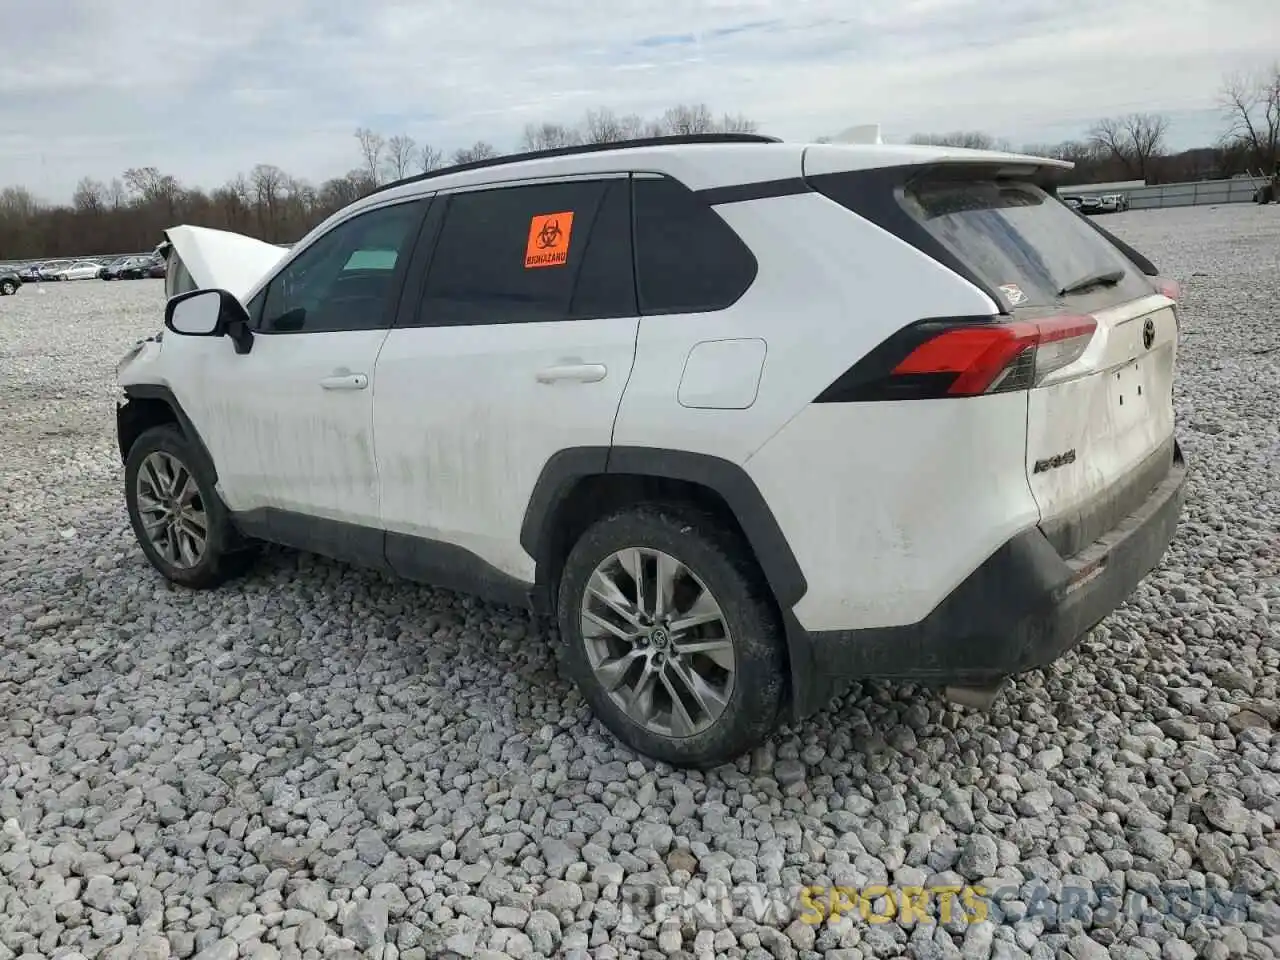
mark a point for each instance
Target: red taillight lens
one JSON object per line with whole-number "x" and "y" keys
{"x": 1169, "y": 288}
{"x": 999, "y": 357}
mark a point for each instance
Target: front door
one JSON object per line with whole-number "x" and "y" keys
{"x": 290, "y": 423}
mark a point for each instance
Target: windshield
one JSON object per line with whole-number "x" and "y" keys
{"x": 1022, "y": 241}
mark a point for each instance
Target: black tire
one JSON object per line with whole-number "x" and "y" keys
{"x": 8, "y": 288}
{"x": 225, "y": 555}
{"x": 724, "y": 563}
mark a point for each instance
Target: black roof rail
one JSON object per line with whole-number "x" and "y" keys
{"x": 662, "y": 141}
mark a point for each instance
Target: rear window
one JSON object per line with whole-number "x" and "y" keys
{"x": 1019, "y": 239}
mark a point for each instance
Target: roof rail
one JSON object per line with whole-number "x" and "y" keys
{"x": 582, "y": 148}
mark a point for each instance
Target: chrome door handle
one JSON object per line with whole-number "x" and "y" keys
{"x": 346, "y": 381}
{"x": 574, "y": 372}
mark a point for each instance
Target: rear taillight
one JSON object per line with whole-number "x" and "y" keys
{"x": 966, "y": 357}
{"x": 1168, "y": 288}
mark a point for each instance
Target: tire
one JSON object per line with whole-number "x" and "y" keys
{"x": 224, "y": 555}
{"x": 720, "y": 563}
{"x": 8, "y": 288}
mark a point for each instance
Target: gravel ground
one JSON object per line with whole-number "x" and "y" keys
{"x": 320, "y": 762}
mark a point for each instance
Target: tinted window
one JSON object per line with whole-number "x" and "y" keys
{"x": 1019, "y": 239}
{"x": 554, "y": 251}
{"x": 688, "y": 260}
{"x": 345, "y": 280}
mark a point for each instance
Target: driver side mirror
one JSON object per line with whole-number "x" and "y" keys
{"x": 210, "y": 313}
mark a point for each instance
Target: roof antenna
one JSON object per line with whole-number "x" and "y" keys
{"x": 865, "y": 133}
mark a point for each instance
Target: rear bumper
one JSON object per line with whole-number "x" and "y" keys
{"x": 1021, "y": 609}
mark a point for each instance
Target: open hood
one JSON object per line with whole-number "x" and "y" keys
{"x": 219, "y": 259}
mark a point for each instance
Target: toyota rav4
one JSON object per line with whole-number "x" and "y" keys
{"x": 743, "y": 420}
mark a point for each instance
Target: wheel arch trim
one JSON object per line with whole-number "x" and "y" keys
{"x": 156, "y": 391}
{"x": 563, "y": 471}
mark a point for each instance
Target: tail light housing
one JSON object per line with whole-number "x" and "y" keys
{"x": 1168, "y": 288}
{"x": 964, "y": 357}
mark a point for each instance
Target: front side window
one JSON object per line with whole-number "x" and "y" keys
{"x": 345, "y": 280}
{"x": 536, "y": 253}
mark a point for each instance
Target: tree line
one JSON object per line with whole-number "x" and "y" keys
{"x": 129, "y": 212}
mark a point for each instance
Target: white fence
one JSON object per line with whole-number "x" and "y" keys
{"x": 1192, "y": 194}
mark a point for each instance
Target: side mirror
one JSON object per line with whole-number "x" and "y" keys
{"x": 209, "y": 313}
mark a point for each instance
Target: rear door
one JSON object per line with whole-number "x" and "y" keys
{"x": 517, "y": 342}
{"x": 1100, "y": 429}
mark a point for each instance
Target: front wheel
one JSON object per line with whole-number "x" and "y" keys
{"x": 668, "y": 630}
{"x": 8, "y": 288}
{"x": 179, "y": 521}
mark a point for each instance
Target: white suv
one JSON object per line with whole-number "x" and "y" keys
{"x": 744, "y": 419}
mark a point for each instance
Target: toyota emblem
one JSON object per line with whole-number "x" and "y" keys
{"x": 1148, "y": 333}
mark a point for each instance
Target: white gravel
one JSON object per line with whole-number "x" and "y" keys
{"x": 321, "y": 762}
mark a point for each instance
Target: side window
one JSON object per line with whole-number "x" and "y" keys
{"x": 544, "y": 252}
{"x": 343, "y": 281}
{"x": 688, "y": 260}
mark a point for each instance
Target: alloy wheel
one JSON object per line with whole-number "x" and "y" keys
{"x": 172, "y": 510}
{"x": 658, "y": 642}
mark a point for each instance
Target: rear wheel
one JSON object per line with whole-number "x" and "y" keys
{"x": 8, "y": 288}
{"x": 180, "y": 523}
{"x": 670, "y": 634}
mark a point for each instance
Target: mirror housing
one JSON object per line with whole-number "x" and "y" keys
{"x": 209, "y": 313}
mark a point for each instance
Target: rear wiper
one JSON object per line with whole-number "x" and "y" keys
{"x": 1108, "y": 279}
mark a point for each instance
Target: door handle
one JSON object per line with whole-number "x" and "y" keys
{"x": 574, "y": 372}
{"x": 346, "y": 381}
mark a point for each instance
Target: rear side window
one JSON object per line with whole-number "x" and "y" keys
{"x": 1020, "y": 240}
{"x": 688, "y": 260}
{"x": 529, "y": 254}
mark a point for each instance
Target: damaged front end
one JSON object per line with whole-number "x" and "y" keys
{"x": 201, "y": 258}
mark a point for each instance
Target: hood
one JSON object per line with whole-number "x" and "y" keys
{"x": 221, "y": 259}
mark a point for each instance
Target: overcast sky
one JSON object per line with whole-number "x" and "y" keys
{"x": 204, "y": 89}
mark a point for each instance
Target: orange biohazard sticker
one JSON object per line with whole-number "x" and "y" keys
{"x": 549, "y": 240}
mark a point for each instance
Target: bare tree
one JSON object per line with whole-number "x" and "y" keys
{"x": 268, "y": 183}
{"x": 1252, "y": 107}
{"x": 18, "y": 203}
{"x": 429, "y": 158}
{"x": 371, "y": 147}
{"x": 603, "y": 126}
{"x": 738, "y": 123}
{"x": 549, "y": 136}
{"x": 117, "y": 195}
{"x": 968, "y": 139}
{"x": 90, "y": 196}
{"x": 151, "y": 185}
{"x": 1133, "y": 140}
{"x": 401, "y": 151}
{"x": 684, "y": 119}
{"x": 477, "y": 151}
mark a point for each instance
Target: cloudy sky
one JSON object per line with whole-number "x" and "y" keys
{"x": 205, "y": 88}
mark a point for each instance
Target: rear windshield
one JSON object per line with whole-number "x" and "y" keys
{"x": 1022, "y": 241}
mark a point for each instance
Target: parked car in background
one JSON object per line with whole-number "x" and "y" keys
{"x": 30, "y": 273}
{"x": 1073, "y": 202}
{"x": 1113, "y": 203}
{"x": 129, "y": 268}
{"x": 1090, "y": 204}
{"x": 80, "y": 270}
{"x": 156, "y": 271}
{"x": 10, "y": 281}
{"x": 50, "y": 269}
